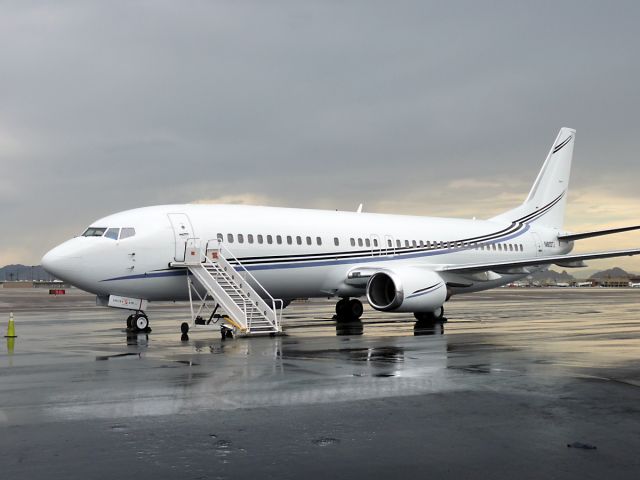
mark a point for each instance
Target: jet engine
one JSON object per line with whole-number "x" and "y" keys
{"x": 406, "y": 289}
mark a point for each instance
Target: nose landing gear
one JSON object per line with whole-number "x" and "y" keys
{"x": 138, "y": 322}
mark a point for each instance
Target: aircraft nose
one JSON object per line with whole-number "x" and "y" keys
{"x": 60, "y": 262}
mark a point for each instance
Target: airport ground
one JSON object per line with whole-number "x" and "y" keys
{"x": 499, "y": 391}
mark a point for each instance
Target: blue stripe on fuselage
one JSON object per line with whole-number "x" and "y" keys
{"x": 322, "y": 263}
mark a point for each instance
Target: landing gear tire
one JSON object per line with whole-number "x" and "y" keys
{"x": 140, "y": 322}
{"x": 355, "y": 309}
{"x": 130, "y": 321}
{"x": 341, "y": 307}
{"x": 436, "y": 316}
{"x": 347, "y": 310}
{"x": 184, "y": 328}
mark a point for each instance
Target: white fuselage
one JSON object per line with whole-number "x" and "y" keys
{"x": 292, "y": 252}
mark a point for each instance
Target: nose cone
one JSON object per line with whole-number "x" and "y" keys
{"x": 61, "y": 262}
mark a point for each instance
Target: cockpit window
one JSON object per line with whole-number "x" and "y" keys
{"x": 127, "y": 232}
{"x": 112, "y": 233}
{"x": 94, "y": 232}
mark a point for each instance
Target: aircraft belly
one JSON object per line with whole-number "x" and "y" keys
{"x": 295, "y": 282}
{"x": 152, "y": 288}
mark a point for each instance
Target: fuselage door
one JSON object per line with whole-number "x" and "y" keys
{"x": 538, "y": 243}
{"x": 183, "y": 231}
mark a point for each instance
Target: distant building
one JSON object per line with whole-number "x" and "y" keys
{"x": 612, "y": 282}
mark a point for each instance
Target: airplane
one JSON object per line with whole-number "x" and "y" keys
{"x": 399, "y": 263}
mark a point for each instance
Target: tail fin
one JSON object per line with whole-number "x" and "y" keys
{"x": 548, "y": 196}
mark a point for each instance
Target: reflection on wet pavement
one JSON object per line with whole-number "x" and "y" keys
{"x": 544, "y": 335}
{"x": 513, "y": 377}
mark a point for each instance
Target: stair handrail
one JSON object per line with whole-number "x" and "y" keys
{"x": 221, "y": 247}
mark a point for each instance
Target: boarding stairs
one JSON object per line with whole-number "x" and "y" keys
{"x": 223, "y": 283}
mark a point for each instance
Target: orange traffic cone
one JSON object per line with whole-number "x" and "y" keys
{"x": 11, "y": 329}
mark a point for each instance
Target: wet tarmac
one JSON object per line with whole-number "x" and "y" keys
{"x": 518, "y": 383}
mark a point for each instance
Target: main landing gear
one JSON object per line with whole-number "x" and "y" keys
{"x": 349, "y": 309}
{"x": 138, "y": 322}
{"x": 437, "y": 316}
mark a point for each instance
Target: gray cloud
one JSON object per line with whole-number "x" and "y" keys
{"x": 112, "y": 105}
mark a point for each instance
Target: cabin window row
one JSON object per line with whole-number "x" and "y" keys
{"x": 506, "y": 247}
{"x": 270, "y": 239}
{"x": 502, "y": 247}
{"x": 366, "y": 242}
{"x": 363, "y": 242}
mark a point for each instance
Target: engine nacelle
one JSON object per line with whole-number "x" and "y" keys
{"x": 406, "y": 289}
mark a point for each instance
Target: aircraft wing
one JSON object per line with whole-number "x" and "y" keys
{"x": 512, "y": 266}
{"x": 596, "y": 233}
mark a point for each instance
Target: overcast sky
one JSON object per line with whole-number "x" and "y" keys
{"x": 416, "y": 107}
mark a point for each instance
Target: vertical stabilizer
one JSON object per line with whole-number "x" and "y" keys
{"x": 546, "y": 201}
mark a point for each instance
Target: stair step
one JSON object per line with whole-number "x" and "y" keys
{"x": 259, "y": 318}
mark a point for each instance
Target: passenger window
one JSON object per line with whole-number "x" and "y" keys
{"x": 269, "y": 239}
{"x": 359, "y": 242}
{"x": 521, "y": 248}
{"x": 511, "y": 247}
{"x": 240, "y": 238}
{"x": 289, "y": 240}
{"x": 279, "y": 239}
{"x": 421, "y": 243}
{"x": 398, "y": 243}
{"x": 353, "y": 241}
{"x": 260, "y": 239}
{"x": 309, "y": 242}
{"x": 130, "y": 232}
{"x": 389, "y": 243}
{"x": 230, "y": 237}
{"x": 336, "y": 241}
{"x": 298, "y": 239}
{"x": 250, "y": 238}
{"x": 112, "y": 233}
{"x": 500, "y": 247}
{"x": 375, "y": 242}
{"x": 406, "y": 243}
{"x": 367, "y": 242}
{"x": 319, "y": 240}
{"x": 414, "y": 243}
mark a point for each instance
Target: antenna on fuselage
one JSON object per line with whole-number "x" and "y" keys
{"x": 359, "y": 210}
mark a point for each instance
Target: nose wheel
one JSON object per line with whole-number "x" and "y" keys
{"x": 138, "y": 322}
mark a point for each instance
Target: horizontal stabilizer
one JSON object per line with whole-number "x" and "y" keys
{"x": 529, "y": 262}
{"x": 595, "y": 233}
